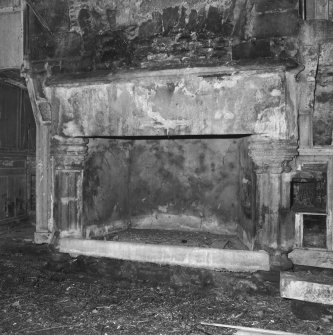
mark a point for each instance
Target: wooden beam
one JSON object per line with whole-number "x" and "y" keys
{"x": 249, "y": 331}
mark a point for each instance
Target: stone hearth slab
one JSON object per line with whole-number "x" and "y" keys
{"x": 306, "y": 287}
{"x": 207, "y": 258}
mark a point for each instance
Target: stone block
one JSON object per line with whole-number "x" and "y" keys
{"x": 206, "y": 258}
{"x": 42, "y": 237}
{"x": 326, "y": 54}
{"x": 306, "y": 288}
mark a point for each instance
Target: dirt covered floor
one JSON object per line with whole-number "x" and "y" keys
{"x": 43, "y": 292}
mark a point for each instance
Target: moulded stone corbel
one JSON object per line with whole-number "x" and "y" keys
{"x": 272, "y": 155}
{"x": 40, "y": 105}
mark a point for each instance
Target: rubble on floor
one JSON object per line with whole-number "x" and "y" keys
{"x": 43, "y": 292}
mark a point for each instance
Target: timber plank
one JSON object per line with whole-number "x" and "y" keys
{"x": 249, "y": 331}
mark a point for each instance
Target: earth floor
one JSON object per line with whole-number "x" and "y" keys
{"x": 43, "y": 292}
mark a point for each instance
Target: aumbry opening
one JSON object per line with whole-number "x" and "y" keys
{"x": 314, "y": 231}
{"x": 309, "y": 189}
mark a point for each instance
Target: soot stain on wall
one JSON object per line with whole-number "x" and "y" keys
{"x": 105, "y": 187}
{"x": 178, "y": 178}
{"x": 197, "y": 177}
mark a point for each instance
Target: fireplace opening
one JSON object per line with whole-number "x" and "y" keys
{"x": 198, "y": 189}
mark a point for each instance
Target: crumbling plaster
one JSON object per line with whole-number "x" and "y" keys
{"x": 236, "y": 102}
{"x": 90, "y": 35}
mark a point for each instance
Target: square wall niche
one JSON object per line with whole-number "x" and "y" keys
{"x": 311, "y": 194}
{"x": 311, "y": 230}
{"x": 314, "y": 231}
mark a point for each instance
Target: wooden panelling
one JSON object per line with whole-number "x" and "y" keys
{"x": 13, "y": 197}
{"x": 17, "y": 124}
{"x": 9, "y": 107}
{"x": 3, "y": 197}
{"x": 17, "y": 142}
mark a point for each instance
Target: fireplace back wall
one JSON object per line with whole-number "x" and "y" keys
{"x": 185, "y": 184}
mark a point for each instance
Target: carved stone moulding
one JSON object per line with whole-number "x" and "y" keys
{"x": 68, "y": 152}
{"x": 270, "y": 155}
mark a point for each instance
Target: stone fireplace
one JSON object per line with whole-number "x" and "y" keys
{"x": 195, "y": 149}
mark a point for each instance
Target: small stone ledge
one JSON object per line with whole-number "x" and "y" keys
{"x": 206, "y": 258}
{"x": 316, "y": 258}
{"x": 100, "y": 77}
{"x": 316, "y": 151}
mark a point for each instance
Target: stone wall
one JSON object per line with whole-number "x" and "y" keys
{"x": 84, "y": 35}
{"x": 323, "y": 117}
